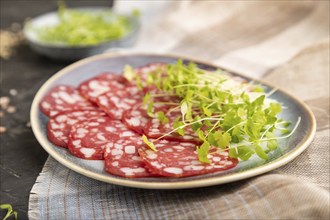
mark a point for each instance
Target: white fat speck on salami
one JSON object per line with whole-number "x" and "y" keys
{"x": 121, "y": 158}
{"x": 64, "y": 98}
{"x": 95, "y": 134}
{"x": 96, "y": 86}
{"x": 136, "y": 119}
{"x": 173, "y": 159}
{"x": 59, "y": 126}
{"x": 115, "y": 102}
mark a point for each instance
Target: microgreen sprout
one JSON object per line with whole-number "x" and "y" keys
{"x": 225, "y": 112}
{"x": 10, "y": 211}
{"x": 85, "y": 27}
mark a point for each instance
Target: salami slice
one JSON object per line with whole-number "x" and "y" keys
{"x": 114, "y": 103}
{"x": 122, "y": 158}
{"x": 64, "y": 98}
{"x": 177, "y": 159}
{"x": 143, "y": 72}
{"x": 88, "y": 139}
{"x": 100, "y": 84}
{"x": 136, "y": 119}
{"x": 59, "y": 126}
{"x": 156, "y": 129}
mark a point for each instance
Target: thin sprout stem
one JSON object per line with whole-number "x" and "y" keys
{"x": 161, "y": 95}
{"x": 212, "y": 128}
{"x": 269, "y": 139}
{"x": 263, "y": 134}
{"x": 183, "y": 126}
{"x": 186, "y": 85}
{"x": 172, "y": 109}
{"x": 210, "y": 78}
{"x": 242, "y": 122}
{"x": 286, "y": 136}
{"x": 279, "y": 123}
{"x": 166, "y": 103}
{"x": 200, "y": 86}
{"x": 204, "y": 97}
{"x": 212, "y": 103}
{"x": 271, "y": 92}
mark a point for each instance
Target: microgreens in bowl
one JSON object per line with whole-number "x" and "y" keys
{"x": 79, "y": 27}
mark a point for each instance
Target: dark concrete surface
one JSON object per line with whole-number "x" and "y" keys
{"x": 21, "y": 156}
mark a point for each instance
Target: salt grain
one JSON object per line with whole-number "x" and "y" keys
{"x": 11, "y": 109}
{"x": 13, "y": 92}
{"x": 2, "y": 129}
{"x": 4, "y": 101}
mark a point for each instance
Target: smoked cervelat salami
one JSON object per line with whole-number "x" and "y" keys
{"x": 122, "y": 158}
{"x": 143, "y": 71}
{"x": 105, "y": 118}
{"x": 136, "y": 119}
{"x": 59, "y": 126}
{"x": 94, "y": 87}
{"x": 64, "y": 98}
{"x": 156, "y": 129}
{"x": 178, "y": 159}
{"x": 88, "y": 139}
{"x": 114, "y": 103}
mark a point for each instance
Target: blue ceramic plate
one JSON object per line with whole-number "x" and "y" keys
{"x": 76, "y": 73}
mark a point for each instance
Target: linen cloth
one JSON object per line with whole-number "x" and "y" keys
{"x": 252, "y": 38}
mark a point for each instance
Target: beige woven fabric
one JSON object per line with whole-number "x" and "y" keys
{"x": 307, "y": 77}
{"x": 248, "y": 37}
{"x": 281, "y": 42}
{"x": 63, "y": 194}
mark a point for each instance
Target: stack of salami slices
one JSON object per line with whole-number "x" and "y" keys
{"x": 103, "y": 119}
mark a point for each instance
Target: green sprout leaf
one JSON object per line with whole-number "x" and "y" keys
{"x": 162, "y": 118}
{"x": 261, "y": 153}
{"x": 211, "y": 139}
{"x": 178, "y": 125}
{"x": 207, "y": 111}
{"x": 129, "y": 73}
{"x": 258, "y": 89}
{"x": 138, "y": 82}
{"x": 202, "y": 152}
{"x": 222, "y": 139}
{"x": 136, "y": 12}
{"x": 10, "y": 211}
{"x": 146, "y": 99}
{"x": 272, "y": 143}
{"x": 184, "y": 109}
{"x": 233, "y": 153}
{"x": 201, "y": 135}
{"x": 149, "y": 143}
{"x": 245, "y": 152}
{"x": 150, "y": 109}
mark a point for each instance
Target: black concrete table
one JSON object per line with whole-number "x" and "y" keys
{"x": 21, "y": 156}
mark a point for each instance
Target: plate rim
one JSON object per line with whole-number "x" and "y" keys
{"x": 129, "y": 182}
